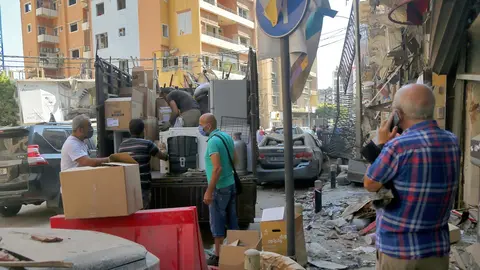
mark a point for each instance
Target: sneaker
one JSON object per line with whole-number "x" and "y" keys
{"x": 212, "y": 261}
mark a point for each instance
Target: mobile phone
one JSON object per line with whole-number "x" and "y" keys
{"x": 396, "y": 122}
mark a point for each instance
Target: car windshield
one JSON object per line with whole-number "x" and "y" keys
{"x": 280, "y": 131}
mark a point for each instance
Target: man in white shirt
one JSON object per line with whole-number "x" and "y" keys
{"x": 75, "y": 150}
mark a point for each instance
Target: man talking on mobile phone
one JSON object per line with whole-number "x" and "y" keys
{"x": 422, "y": 167}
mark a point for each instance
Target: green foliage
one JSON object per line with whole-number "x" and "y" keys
{"x": 328, "y": 110}
{"x": 8, "y": 104}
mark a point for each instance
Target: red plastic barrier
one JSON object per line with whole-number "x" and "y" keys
{"x": 170, "y": 234}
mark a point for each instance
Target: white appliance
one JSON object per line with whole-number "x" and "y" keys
{"x": 184, "y": 131}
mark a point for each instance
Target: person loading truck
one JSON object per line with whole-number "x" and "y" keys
{"x": 183, "y": 105}
{"x": 141, "y": 150}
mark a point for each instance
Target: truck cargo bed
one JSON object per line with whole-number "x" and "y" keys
{"x": 188, "y": 190}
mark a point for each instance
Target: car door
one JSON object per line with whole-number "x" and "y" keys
{"x": 51, "y": 141}
{"x": 317, "y": 151}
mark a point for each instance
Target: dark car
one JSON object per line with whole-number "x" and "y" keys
{"x": 30, "y": 165}
{"x": 307, "y": 162}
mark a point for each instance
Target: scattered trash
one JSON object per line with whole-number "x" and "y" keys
{"x": 46, "y": 239}
{"x": 366, "y": 249}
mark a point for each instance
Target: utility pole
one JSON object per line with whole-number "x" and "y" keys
{"x": 358, "y": 82}
{"x": 2, "y": 53}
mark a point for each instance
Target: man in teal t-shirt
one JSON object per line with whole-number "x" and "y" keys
{"x": 221, "y": 194}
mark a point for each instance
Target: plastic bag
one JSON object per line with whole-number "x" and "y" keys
{"x": 178, "y": 122}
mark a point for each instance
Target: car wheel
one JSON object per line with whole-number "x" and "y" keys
{"x": 10, "y": 210}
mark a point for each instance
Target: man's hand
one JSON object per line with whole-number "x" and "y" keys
{"x": 208, "y": 197}
{"x": 384, "y": 133}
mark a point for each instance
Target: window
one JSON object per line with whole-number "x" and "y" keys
{"x": 211, "y": 30}
{"x": 55, "y": 137}
{"x": 243, "y": 12}
{"x": 123, "y": 65}
{"x": 175, "y": 62}
{"x": 76, "y": 53}
{"x": 244, "y": 41}
{"x": 100, "y": 9}
{"x": 42, "y": 30}
{"x": 165, "y": 30}
{"x": 206, "y": 60}
{"x": 185, "y": 61}
{"x": 121, "y": 4}
{"x": 28, "y": 7}
{"x": 121, "y": 32}
{"x": 55, "y": 31}
{"x": 72, "y": 2}
{"x": 102, "y": 40}
{"x": 165, "y": 62}
{"x": 29, "y": 28}
{"x": 184, "y": 20}
{"x": 73, "y": 27}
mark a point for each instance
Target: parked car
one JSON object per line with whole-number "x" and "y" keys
{"x": 30, "y": 165}
{"x": 295, "y": 130}
{"x": 308, "y": 158}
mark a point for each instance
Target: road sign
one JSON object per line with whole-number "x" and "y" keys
{"x": 272, "y": 19}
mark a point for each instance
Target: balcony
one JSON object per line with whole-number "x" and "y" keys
{"x": 43, "y": 38}
{"x": 85, "y": 26}
{"x": 232, "y": 15}
{"x": 87, "y": 52}
{"x": 223, "y": 42}
{"x": 46, "y": 12}
{"x": 50, "y": 61}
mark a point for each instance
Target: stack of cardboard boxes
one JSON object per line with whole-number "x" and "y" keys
{"x": 110, "y": 190}
{"x": 138, "y": 101}
{"x": 272, "y": 238}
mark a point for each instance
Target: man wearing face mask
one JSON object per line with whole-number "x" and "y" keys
{"x": 75, "y": 150}
{"x": 421, "y": 166}
{"x": 221, "y": 194}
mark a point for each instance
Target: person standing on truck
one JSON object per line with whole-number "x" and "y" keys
{"x": 142, "y": 150}
{"x": 221, "y": 194}
{"x": 75, "y": 150}
{"x": 183, "y": 105}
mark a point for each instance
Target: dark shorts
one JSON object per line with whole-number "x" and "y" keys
{"x": 147, "y": 198}
{"x": 223, "y": 211}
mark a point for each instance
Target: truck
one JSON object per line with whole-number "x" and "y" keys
{"x": 179, "y": 190}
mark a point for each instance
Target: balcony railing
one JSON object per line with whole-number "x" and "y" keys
{"x": 215, "y": 35}
{"x": 212, "y": 2}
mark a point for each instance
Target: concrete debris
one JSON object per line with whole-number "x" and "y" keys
{"x": 327, "y": 265}
{"x": 370, "y": 239}
{"x": 315, "y": 250}
{"x": 360, "y": 223}
{"x": 342, "y": 179}
{"x": 366, "y": 249}
{"x": 339, "y": 222}
{"x": 350, "y": 236}
{"x": 331, "y": 235}
{"x": 381, "y": 198}
{"x": 352, "y": 209}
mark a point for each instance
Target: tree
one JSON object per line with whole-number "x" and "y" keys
{"x": 328, "y": 110}
{"x": 9, "y": 106}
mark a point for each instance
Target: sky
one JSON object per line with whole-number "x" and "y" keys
{"x": 330, "y": 51}
{"x": 328, "y": 55}
{"x": 11, "y": 24}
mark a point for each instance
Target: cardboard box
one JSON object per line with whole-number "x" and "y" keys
{"x": 232, "y": 254}
{"x": 119, "y": 112}
{"x": 108, "y": 191}
{"x": 150, "y": 78}
{"x": 148, "y": 101}
{"x": 163, "y": 110}
{"x": 151, "y": 128}
{"x": 274, "y": 233}
{"x": 139, "y": 77}
{"x": 455, "y": 234}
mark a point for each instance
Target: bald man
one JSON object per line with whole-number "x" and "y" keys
{"x": 421, "y": 167}
{"x": 221, "y": 194}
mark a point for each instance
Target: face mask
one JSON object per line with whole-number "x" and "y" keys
{"x": 90, "y": 133}
{"x": 202, "y": 131}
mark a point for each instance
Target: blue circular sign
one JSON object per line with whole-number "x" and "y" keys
{"x": 296, "y": 10}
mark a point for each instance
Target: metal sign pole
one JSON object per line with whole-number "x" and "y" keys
{"x": 288, "y": 145}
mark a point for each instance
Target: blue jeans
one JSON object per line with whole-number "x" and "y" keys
{"x": 223, "y": 211}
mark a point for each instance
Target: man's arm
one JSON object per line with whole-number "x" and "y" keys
{"x": 383, "y": 170}
{"x": 175, "y": 112}
{"x": 86, "y": 161}
{"x": 217, "y": 170}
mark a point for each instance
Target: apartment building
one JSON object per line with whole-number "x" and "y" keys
{"x": 185, "y": 36}
{"x": 56, "y": 31}
{"x": 270, "y": 95}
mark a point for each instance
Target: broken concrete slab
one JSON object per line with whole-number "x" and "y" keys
{"x": 339, "y": 222}
{"x": 354, "y": 208}
{"x": 327, "y": 265}
{"x": 366, "y": 249}
{"x": 356, "y": 170}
